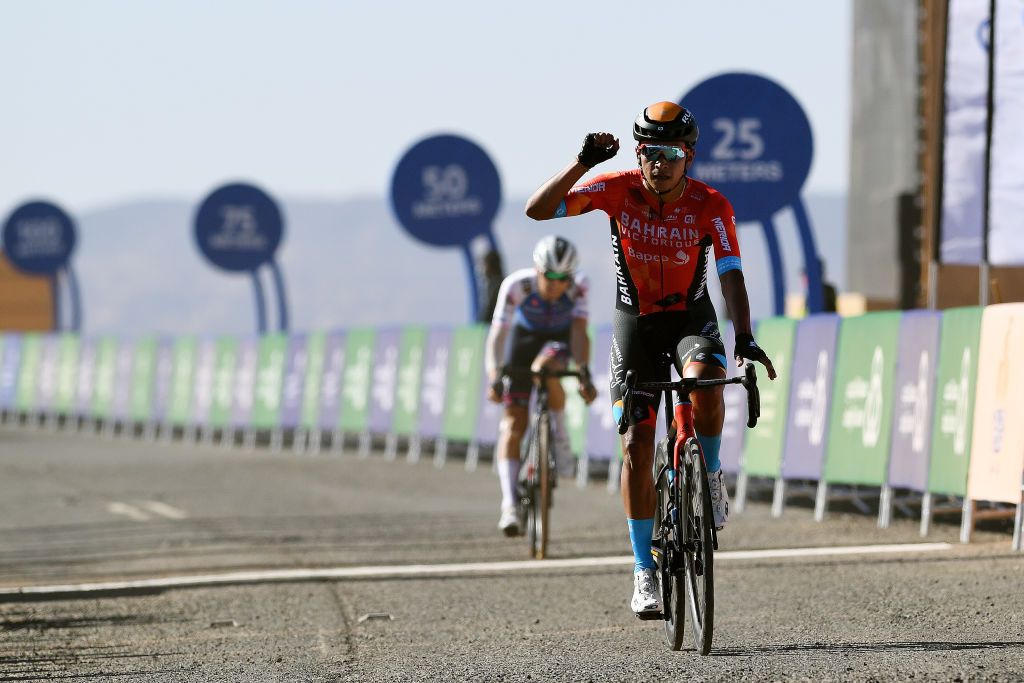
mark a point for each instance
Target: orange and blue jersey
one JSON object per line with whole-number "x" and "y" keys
{"x": 661, "y": 251}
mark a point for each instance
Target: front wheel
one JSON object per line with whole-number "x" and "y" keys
{"x": 699, "y": 546}
{"x": 538, "y": 485}
{"x": 668, "y": 553}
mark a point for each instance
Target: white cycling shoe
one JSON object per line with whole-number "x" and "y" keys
{"x": 509, "y": 521}
{"x": 719, "y": 499}
{"x": 646, "y": 596}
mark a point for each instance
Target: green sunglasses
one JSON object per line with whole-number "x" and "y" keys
{"x": 670, "y": 152}
{"x": 552, "y": 275}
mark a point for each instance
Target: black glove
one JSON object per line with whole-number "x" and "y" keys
{"x": 592, "y": 154}
{"x": 747, "y": 348}
{"x": 585, "y": 376}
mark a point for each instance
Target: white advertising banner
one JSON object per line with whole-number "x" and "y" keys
{"x": 963, "y": 163}
{"x": 1006, "y": 189}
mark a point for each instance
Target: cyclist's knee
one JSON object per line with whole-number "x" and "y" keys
{"x": 513, "y": 423}
{"x": 638, "y": 445}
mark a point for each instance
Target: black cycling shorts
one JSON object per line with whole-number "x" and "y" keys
{"x": 651, "y": 344}
{"x": 524, "y": 346}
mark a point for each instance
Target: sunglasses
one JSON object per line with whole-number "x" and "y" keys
{"x": 552, "y": 275}
{"x": 670, "y": 152}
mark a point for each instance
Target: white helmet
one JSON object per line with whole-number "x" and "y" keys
{"x": 555, "y": 254}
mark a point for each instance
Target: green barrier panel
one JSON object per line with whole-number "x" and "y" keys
{"x": 954, "y": 400}
{"x": 140, "y": 407}
{"x": 315, "y": 348}
{"x": 465, "y": 372}
{"x": 860, "y": 422}
{"x": 67, "y": 373}
{"x": 181, "y": 381}
{"x": 106, "y": 371}
{"x": 355, "y": 383}
{"x": 223, "y": 382}
{"x": 28, "y": 374}
{"x": 410, "y": 375}
{"x": 762, "y": 452}
{"x": 266, "y": 408}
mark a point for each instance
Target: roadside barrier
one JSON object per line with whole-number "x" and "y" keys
{"x": 897, "y": 410}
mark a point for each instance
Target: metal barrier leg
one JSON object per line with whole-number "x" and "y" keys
{"x": 317, "y": 441}
{"x": 926, "y": 513}
{"x": 412, "y": 456}
{"x": 741, "y": 492}
{"x": 1018, "y": 521}
{"x": 364, "y": 445}
{"x": 391, "y": 446}
{"x": 614, "y": 471}
{"x": 299, "y": 439}
{"x": 276, "y": 440}
{"x": 338, "y": 441}
{"x": 885, "y": 507}
{"x": 778, "y": 497}
{"x": 582, "y": 471}
{"x": 440, "y": 452}
{"x": 472, "y": 456}
{"x": 967, "y": 521}
{"x": 821, "y": 501}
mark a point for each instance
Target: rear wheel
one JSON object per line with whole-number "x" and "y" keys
{"x": 537, "y": 499}
{"x": 698, "y": 529}
{"x": 670, "y": 572}
{"x": 543, "y": 482}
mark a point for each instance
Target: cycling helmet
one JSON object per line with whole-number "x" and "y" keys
{"x": 664, "y": 121}
{"x": 555, "y": 254}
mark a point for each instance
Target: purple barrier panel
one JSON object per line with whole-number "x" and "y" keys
{"x": 383, "y": 380}
{"x": 203, "y": 381}
{"x": 163, "y": 379}
{"x": 813, "y": 370}
{"x": 293, "y": 386}
{"x": 602, "y": 435}
{"x": 245, "y": 382}
{"x": 435, "y": 379}
{"x": 10, "y": 370}
{"x": 49, "y": 360}
{"x": 85, "y": 378}
{"x": 124, "y": 362}
{"x": 330, "y": 383}
{"x": 913, "y": 408}
{"x": 734, "y": 429}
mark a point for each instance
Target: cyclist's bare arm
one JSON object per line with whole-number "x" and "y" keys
{"x": 495, "y": 345}
{"x": 597, "y": 147}
{"x": 544, "y": 202}
{"x": 734, "y": 289}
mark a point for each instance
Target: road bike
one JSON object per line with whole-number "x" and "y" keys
{"x": 685, "y": 538}
{"x": 538, "y": 472}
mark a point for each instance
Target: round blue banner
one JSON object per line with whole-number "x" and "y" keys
{"x": 39, "y": 238}
{"x": 446, "y": 191}
{"x": 755, "y": 143}
{"x": 238, "y": 227}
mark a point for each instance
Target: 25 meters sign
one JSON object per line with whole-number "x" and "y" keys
{"x": 755, "y": 142}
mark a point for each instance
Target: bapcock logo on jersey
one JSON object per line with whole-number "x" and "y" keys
{"x": 637, "y": 230}
{"x": 680, "y": 258}
{"x": 723, "y": 237}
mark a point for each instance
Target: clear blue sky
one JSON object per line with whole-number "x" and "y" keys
{"x": 109, "y": 100}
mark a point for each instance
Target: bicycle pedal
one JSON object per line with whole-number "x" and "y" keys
{"x": 649, "y": 616}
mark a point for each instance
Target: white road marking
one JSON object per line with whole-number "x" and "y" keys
{"x": 163, "y": 509}
{"x": 119, "y": 508}
{"x": 392, "y": 571}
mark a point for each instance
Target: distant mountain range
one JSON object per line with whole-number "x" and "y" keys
{"x": 349, "y": 263}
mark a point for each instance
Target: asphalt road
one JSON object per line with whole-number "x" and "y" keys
{"x": 87, "y": 510}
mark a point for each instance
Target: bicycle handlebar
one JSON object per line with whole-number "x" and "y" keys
{"x": 687, "y": 384}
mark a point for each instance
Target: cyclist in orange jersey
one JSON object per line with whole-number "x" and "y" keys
{"x": 664, "y": 228}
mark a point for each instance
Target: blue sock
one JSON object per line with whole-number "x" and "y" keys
{"x": 640, "y": 533}
{"x": 711, "y": 445}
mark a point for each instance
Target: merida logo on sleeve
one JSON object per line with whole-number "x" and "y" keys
{"x": 723, "y": 238}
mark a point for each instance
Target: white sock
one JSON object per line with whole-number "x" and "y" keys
{"x": 508, "y": 474}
